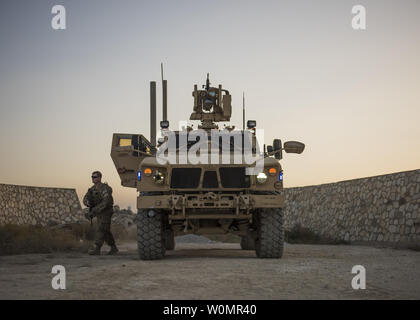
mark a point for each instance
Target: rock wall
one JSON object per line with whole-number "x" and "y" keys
{"x": 381, "y": 209}
{"x": 38, "y": 206}
{"x": 376, "y": 209}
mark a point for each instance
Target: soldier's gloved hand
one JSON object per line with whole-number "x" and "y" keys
{"x": 94, "y": 212}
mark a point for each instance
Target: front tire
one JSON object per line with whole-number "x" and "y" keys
{"x": 150, "y": 236}
{"x": 270, "y": 233}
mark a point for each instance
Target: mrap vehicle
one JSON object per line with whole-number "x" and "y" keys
{"x": 204, "y": 197}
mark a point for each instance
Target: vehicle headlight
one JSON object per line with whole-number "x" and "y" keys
{"x": 158, "y": 177}
{"x": 261, "y": 177}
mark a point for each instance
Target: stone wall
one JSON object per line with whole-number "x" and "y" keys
{"x": 376, "y": 209}
{"x": 38, "y": 206}
{"x": 380, "y": 209}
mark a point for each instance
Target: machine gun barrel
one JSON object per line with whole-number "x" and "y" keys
{"x": 207, "y": 83}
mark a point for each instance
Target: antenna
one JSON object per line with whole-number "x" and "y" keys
{"x": 243, "y": 111}
{"x": 164, "y": 95}
{"x": 153, "y": 113}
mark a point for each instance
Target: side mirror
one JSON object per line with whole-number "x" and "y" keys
{"x": 277, "y": 148}
{"x": 269, "y": 149}
{"x": 294, "y": 147}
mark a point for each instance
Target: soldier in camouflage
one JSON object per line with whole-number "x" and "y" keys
{"x": 100, "y": 202}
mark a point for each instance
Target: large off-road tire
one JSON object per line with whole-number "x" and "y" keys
{"x": 150, "y": 236}
{"x": 247, "y": 243}
{"x": 270, "y": 233}
{"x": 169, "y": 240}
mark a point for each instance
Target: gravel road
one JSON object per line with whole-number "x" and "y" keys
{"x": 216, "y": 271}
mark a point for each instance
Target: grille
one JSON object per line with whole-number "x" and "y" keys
{"x": 185, "y": 178}
{"x": 210, "y": 179}
{"x": 234, "y": 177}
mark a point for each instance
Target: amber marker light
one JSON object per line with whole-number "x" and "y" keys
{"x": 147, "y": 172}
{"x": 272, "y": 171}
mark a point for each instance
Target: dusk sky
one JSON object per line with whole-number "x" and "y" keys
{"x": 352, "y": 96}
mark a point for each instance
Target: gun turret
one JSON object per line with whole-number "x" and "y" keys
{"x": 211, "y": 105}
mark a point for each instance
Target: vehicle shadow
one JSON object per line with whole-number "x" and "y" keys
{"x": 210, "y": 253}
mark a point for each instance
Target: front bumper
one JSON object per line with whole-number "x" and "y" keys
{"x": 242, "y": 203}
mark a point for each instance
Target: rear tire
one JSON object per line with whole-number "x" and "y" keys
{"x": 270, "y": 233}
{"x": 150, "y": 236}
{"x": 247, "y": 243}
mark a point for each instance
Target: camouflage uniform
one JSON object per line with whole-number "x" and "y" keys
{"x": 102, "y": 209}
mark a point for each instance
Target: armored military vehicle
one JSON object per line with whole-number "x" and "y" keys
{"x": 210, "y": 196}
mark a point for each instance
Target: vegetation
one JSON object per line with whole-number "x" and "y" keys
{"x": 299, "y": 234}
{"x": 17, "y": 239}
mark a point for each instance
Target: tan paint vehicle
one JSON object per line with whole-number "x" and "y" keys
{"x": 213, "y": 198}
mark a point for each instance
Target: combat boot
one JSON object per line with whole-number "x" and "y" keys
{"x": 114, "y": 250}
{"x": 95, "y": 251}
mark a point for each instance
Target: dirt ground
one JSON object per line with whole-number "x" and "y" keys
{"x": 216, "y": 271}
